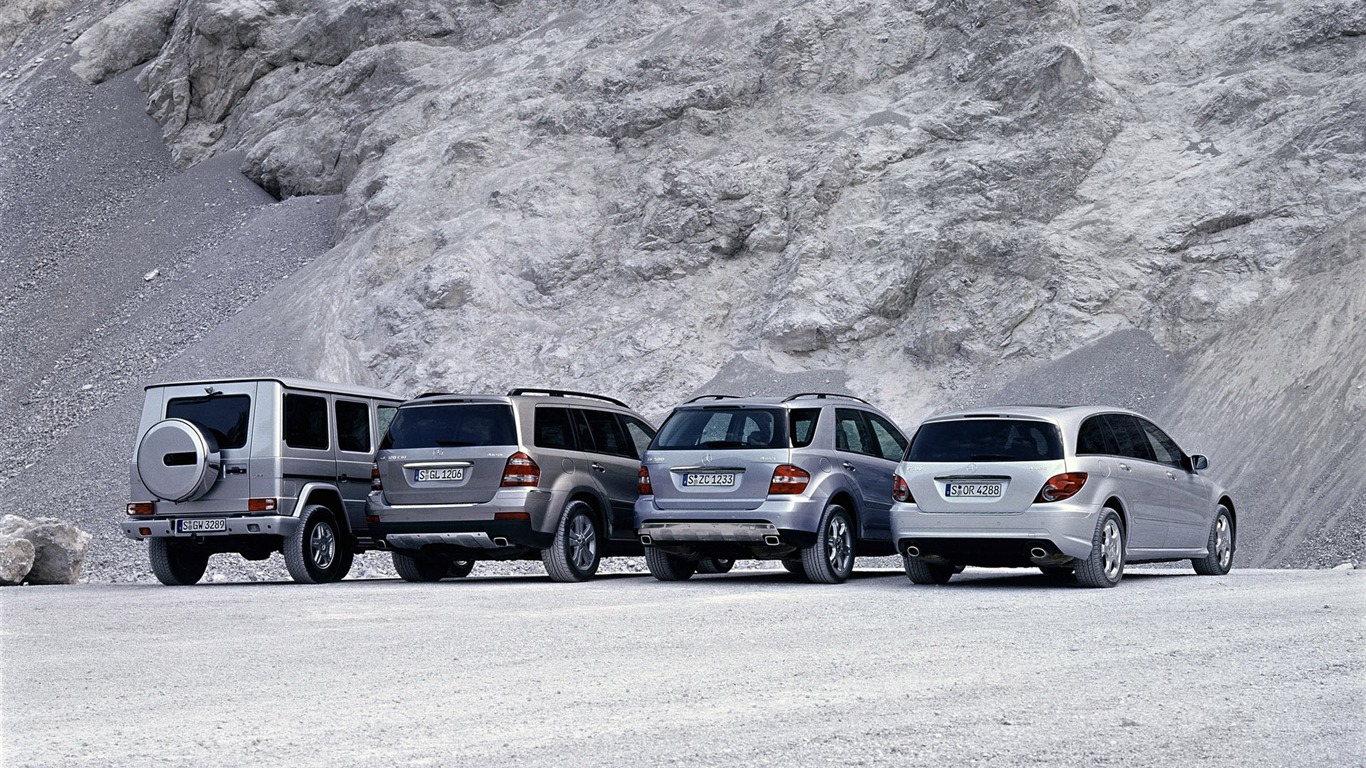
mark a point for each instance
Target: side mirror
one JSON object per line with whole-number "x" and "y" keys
{"x": 1197, "y": 462}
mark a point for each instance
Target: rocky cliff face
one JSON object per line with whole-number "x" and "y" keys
{"x": 930, "y": 197}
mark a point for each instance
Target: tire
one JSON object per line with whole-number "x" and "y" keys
{"x": 460, "y": 569}
{"x": 715, "y": 565}
{"x": 795, "y": 568}
{"x": 574, "y": 555}
{"x": 921, "y": 572}
{"x": 1219, "y": 561}
{"x": 176, "y": 563}
{"x": 417, "y": 568}
{"x": 1104, "y": 566}
{"x": 831, "y": 559}
{"x": 667, "y": 567}
{"x": 317, "y": 552}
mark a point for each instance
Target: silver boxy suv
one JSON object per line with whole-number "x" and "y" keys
{"x": 534, "y": 474}
{"x": 255, "y": 466}
{"x": 806, "y": 479}
{"x": 1063, "y": 489}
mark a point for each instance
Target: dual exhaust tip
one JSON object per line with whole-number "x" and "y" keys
{"x": 770, "y": 540}
{"x": 1036, "y": 553}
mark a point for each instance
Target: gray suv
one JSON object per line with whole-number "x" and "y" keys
{"x": 1081, "y": 490}
{"x": 534, "y": 474}
{"x": 255, "y": 466}
{"x": 805, "y": 479}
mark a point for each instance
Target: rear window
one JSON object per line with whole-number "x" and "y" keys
{"x": 985, "y": 440}
{"x": 451, "y": 426}
{"x": 224, "y": 416}
{"x": 708, "y": 428}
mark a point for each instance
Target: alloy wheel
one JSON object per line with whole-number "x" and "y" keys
{"x": 322, "y": 545}
{"x": 583, "y": 542}
{"x": 839, "y": 549}
{"x": 1112, "y": 549}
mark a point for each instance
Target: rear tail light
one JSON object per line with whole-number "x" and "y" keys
{"x": 141, "y": 508}
{"x": 520, "y": 471}
{"x": 261, "y": 505}
{"x": 1059, "y": 487}
{"x": 788, "y": 479}
{"x": 643, "y": 484}
{"x": 900, "y": 491}
{"x": 375, "y": 483}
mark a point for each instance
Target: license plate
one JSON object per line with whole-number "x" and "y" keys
{"x": 442, "y": 473}
{"x": 218, "y": 525}
{"x": 972, "y": 490}
{"x": 709, "y": 479}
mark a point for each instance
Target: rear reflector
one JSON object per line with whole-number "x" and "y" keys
{"x": 261, "y": 505}
{"x": 520, "y": 471}
{"x": 511, "y": 515}
{"x": 788, "y": 479}
{"x": 141, "y": 508}
{"x": 643, "y": 484}
{"x": 1059, "y": 487}
{"x": 375, "y": 484}
{"x": 900, "y": 491}
{"x": 144, "y": 531}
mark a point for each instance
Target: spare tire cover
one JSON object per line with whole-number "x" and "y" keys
{"x": 177, "y": 460}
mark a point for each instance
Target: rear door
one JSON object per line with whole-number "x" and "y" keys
{"x": 717, "y": 457}
{"x": 1143, "y": 483}
{"x": 613, "y": 460}
{"x": 864, "y": 458}
{"x": 227, "y": 415}
{"x": 447, "y": 452}
{"x": 354, "y": 425}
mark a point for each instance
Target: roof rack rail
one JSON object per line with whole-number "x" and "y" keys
{"x": 714, "y": 397}
{"x": 432, "y": 394}
{"x": 563, "y": 393}
{"x": 824, "y": 395}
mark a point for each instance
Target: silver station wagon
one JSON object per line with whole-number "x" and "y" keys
{"x": 1081, "y": 490}
{"x": 806, "y": 480}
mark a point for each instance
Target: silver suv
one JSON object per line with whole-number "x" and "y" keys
{"x": 254, "y": 466}
{"x": 805, "y": 479}
{"x": 1063, "y": 489}
{"x": 545, "y": 474}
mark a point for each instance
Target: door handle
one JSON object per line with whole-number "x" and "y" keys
{"x": 1124, "y": 467}
{"x": 235, "y": 471}
{"x": 1171, "y": 474}
{"x": 598, "y": 467}
{"x": 850, "y": 467}
{"x": 343, "y": 478}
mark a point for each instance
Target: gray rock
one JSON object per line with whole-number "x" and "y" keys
{"x": 59, "y": 548}
{"x": 16, "y": 559}
{"x": 125, "y": 38}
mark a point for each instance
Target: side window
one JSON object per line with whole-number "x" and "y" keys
{"x": 306, "y": 422}
{"x": 848, "y": 431}
{"x": 608, "y": 436}
{"x": 353, "y": 426}
{"x": 1130, "y": 439}
{"x": 385, "y": 414}
{"x": 887, "y": 439}
{"x": 1164, "y": 448}
{"x": 803, "y": 425}
{"x": 553, "y": 429}
{"x": 1094, "y": 438}
{"x": 640, "y": 433}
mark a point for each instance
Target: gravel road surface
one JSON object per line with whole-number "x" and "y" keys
{"x": 1260, "y": 668}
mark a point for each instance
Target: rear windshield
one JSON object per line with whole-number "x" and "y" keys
{"x": 451, "y": 426}
{"x": 708, "y": 428}
{"x": 985, "y": 440}
{"x": 223, "y": 416}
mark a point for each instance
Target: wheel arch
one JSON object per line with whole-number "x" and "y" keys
{"x": 1227, "y": 503}
{"x": 596, "y": 503}
{"x": 1117, "y": 505}
{"x": 323, "y": 495}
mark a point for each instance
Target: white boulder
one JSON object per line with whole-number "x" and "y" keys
{"x": 59, "y": 548}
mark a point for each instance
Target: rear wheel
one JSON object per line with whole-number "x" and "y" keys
{"x": 1219, "y": 561}
{"x": 1104, "y": 566}
{"x": 573, "y": 556}
{"x": 921, "y": 572}
{"x": 667, "y": 567}
{"x": 715, "y": 565}
{"x": 317, "y": 552}
{"x": 831, "y": 559}
{"x": 419, "y": 568}
{"x": 177, "y": 563}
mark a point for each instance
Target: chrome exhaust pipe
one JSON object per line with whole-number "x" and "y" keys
{"x": 1038, "y": 553}
{"x": 772, "y": 541}
{"x": 913, "y": 551}
{"x": 645, "y": 539}
{"x": 499, "y": 541}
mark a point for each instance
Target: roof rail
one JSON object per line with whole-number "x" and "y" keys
{"x": 432, "y": 394}
{"x": 564, "y": 393}
{"x": 714, "y": 397}
{"x": 824, "y": 395}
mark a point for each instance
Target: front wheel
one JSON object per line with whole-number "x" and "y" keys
{"x": 667, "y": 567}
{"x": 317, "y": 551}
{"x": 1104, "y": 566}
{"x": 715, "y": 565}
{"x": 921, "y": 572}
{"x": 177, "y": 563}
{"x": 419, "y": 568}
{"x": 573, "y": 555}
{"x": 460, "y": 569}
{"x": 831, "y": 559}
{"x": 1219, "y": 561}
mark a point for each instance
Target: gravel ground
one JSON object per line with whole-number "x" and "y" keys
{"x": 1260, "y": 668}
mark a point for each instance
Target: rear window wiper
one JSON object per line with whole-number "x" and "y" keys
{"x": 991, "y": 457}
{"x": 723, "y": 444}
{"x": 453, "y": 444}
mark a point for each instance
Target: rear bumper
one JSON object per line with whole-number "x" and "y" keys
{"x": 787, "y": 515}
{"x": 139, "y": 528}
{"x": 994, "y": 539}
{"x": 468, "y": 526}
